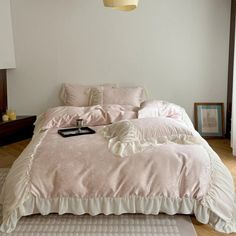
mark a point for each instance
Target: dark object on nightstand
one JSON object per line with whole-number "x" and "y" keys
{"x": 16, "y": 130}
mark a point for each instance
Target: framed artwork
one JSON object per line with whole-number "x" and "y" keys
{"x": 209, "y": 119}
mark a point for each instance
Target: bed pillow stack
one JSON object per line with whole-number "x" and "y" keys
{"x": 114, "y": 95}
{"x": 82, "y": 96}
{"x": 158, "y": 108}
{"x": 79, "y": 95}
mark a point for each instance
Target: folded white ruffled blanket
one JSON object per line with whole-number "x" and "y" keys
{"x": 128, "y": 137}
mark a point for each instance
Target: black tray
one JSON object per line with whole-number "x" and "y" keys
{"x": 75, "y": 131}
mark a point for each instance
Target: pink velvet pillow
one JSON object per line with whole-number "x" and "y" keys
{"x": 75, "y": 95}
{"x": 122, "y": 96}
{"x": 80, "y": 95}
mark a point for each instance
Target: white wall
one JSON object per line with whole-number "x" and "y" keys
{"x": 177, "y": 49}
{"x": 233, "y": 119}
{"x": 7, "y": 57}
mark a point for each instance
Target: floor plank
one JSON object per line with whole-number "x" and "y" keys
{"x": 9, "y": 153}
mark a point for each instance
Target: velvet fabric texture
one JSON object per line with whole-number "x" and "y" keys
{"x": 65, "y": 116}
{"x": 123, "y": 96}
{"x": 81, "y": 175}
{"x": 80, "y": 95}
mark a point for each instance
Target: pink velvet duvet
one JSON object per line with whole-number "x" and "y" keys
{"x": 81, "y": 175}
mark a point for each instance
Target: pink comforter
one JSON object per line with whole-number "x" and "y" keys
{"x": 84, "y": 167}
{"x": 80, "y": 175}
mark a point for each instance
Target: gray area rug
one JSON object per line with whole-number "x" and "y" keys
{"x": 123, "y": 225}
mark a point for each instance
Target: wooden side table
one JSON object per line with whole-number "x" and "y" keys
{"x": 16, "y": 130}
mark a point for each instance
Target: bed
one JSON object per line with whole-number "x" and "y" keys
{"x": 140, "y": 160}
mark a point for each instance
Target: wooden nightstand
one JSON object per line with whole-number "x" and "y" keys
{"x": 16, "y": 130}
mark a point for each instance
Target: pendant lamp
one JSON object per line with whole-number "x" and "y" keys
{"x": 123, "y": 5}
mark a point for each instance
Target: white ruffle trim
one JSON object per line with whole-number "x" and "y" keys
{"x": 126, "y": 149}
{"x": 117, "y": 206}
{"x": 125, "y": 139}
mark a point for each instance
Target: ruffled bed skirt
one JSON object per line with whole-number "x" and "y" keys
{"x": 117, "y": 206}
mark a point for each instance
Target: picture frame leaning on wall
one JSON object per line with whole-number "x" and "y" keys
{"x": 209, "y": 119}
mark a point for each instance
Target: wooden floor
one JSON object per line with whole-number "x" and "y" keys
{"x": 222, "y": 146}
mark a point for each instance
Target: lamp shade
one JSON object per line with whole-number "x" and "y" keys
{"x": 7, "y": 55}
{"x": 123, "y": 5}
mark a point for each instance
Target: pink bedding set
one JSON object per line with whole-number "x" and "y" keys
{"x": 65, "y": 116}
{"x": 82, "y": 175}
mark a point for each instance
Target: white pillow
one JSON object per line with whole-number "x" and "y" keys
{"x": 158, "y": 108}
{"x": 128, "y": 137}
